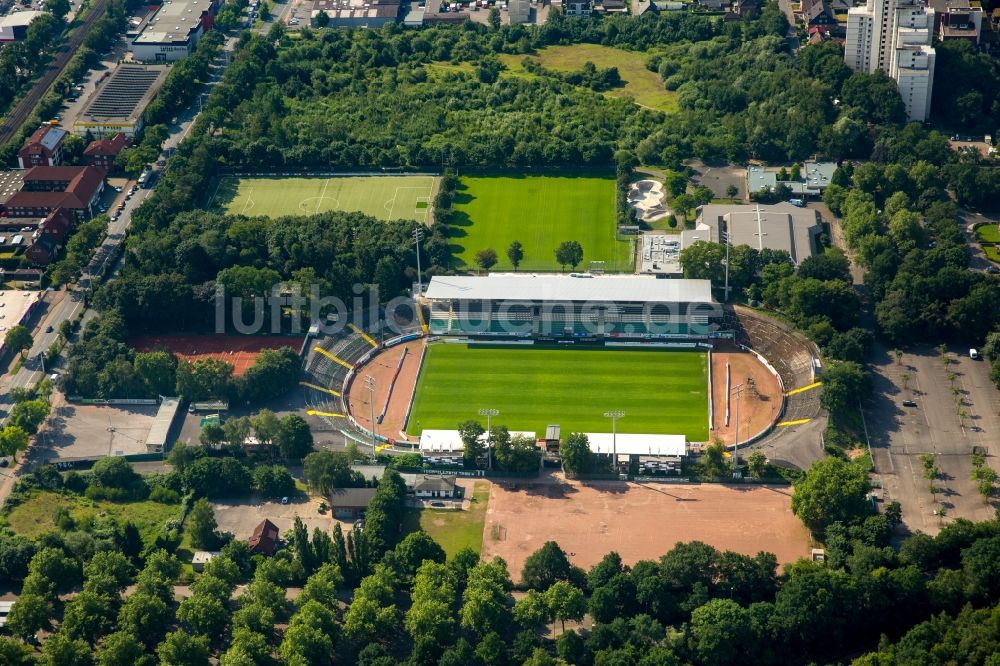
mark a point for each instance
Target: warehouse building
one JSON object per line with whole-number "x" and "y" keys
{"x": 118, "y": 106}
{"x": 779, "y": 227}
{"x": 14, "y": 27}
{"x": 172, "y": 33}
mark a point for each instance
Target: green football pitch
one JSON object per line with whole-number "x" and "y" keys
{"x": 661, "y": 391}
{"x": 384, "y": 197}
{"x": 540, "y": 212}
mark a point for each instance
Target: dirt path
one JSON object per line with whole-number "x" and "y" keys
{"x": 382, "y": 368}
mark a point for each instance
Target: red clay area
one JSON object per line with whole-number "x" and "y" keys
{"x": 382, "y": 368}
{"x": 639, "y": 521}
{"x": 239, "y": 350}
{"x": 758, "y": 408}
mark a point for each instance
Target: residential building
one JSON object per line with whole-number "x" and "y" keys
{"x": 350, "y": 503}
{"x": 435, "y": 487}
{"x": 778, "y": 227}
{"x": 172, "y": 32}
{"x": 712, "y": 5}
{"x": 264, "y": 539}
{"x": 747, "y": 9}
{"x": 50, "y": 237}
{"x": 610, "y": 6}
{"x": 14, "y": 27}
{"x": 43, "y": 148}
{"x": 102, "y": 153}
{"x": 119, "y": 104}
{"x": 73, "y": 188}
{"x": 895, "y": 36}
{"x": 577, "y": 7}
{"x": 814, "y": 177}
{"x": 955, "y": 19}
{"x": 816, "y": 14}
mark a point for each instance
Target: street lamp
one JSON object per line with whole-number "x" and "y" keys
{"x": 614, "y": 415}
{"x": 417, "y": 235}
{"x": 370, "y": 385}
{"x": 489, "y": 414}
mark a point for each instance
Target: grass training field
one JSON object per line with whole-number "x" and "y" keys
{"x": 642, "y": 85}
{"x": 384, "y": 197}
{"x": 540, "y": 212}
{"x": 454, "y": 530}
{"x": 661, "y": 391}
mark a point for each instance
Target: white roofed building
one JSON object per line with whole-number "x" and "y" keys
{"x": 173, "y": 31}
{"x": 14, "y": 26}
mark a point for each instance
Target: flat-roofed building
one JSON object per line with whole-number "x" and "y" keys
{"x": 778, "y": 227}
{"x": 159, "y": 432}
{"x": 357, "y": 13}
{"x": 15, "y": 307}
{"x": 14, "y": 27}
{"x": 119, "y": 104}
{"x": 172, "y": 33}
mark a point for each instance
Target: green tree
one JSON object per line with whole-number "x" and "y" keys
{"x": 833, "y": 490}
{"x": 211, "y": 435}
{"x": 62, "y": 650}
{"x": 114, "y": 472}
{"x": 757, "y": 464}
{"x": 248, "y": 648}
{"x": 273, "y": 481}
{"x": 494, "y": 18}
{"x": 532, "y": 610}
{"x": 18, "y": 338}
{"x": 845, "y": 383}
{"x": 203, "y": 615}
{"x": 545, "y": 566}
{"x": 575, "y": 453}
{"x": 201, "y": 525}
{"x": 325, "y": 470}
{"x": 15, "y": 653}
{"x": 121, "y": 649}
{"x": 515, "y": 254}
{"x": 29, "y": 415}
{"x": 703, "y": 260}
{"x": 565, "y": 602}
{"x": 180, "y": 648}
{"x": 322, "y": 20}
{"x": 13, "y": 439}
{"x": 569, "y": 253}
{"x": 88, "y": 616}
{"x": 295, "y": 440}
{"x": 486, "y": 259}
{"x": 30, "y": 613}
{"x": 473, "y": 447}
{"x": 722, "y": 631}
{"x": 732, "y": 191}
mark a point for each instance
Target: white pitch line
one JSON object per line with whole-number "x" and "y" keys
{"x": 322, "y": 196}
{"x": 249, "y": 201}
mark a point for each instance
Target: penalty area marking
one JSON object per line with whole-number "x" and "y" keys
{"x": 250, "y": 203}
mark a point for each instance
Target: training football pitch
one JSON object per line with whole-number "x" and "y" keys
{"x": 661, "y": 391}
{"x": 384, "y": 197}
{"x": 541, "y": 212}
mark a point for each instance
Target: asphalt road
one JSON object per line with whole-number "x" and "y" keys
{"x": 16, "y": 117}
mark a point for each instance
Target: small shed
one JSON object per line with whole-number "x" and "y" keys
{"x": 203, "y": 557}
{"x": 552, "y": 438}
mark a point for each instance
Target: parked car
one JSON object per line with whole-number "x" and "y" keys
{"x": 909, "y": 403}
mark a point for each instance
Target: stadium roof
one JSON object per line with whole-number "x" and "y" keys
{"x": 637, "y": 445}
{"x": 449, "y": 441}
{"x": 573, "y": 287}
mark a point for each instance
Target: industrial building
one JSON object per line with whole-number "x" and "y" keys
{"x": 779, "y": 227}
{"x": 173, "y": 31}
{"x": 14, "y": 27}
{"x": 119, "y": 104}
{"x": 357, "y": 13}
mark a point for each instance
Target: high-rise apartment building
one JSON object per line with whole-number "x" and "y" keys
{"x": 895, "y": 36}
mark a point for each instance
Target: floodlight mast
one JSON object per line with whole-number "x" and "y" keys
{"x": 489, "y": 413}
{"x": 614, "y": 415}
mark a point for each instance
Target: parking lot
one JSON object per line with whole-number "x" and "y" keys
{"x": 85, "y": 431}
{"x": 241, "y": 516}
{"x": 900, "y": 434}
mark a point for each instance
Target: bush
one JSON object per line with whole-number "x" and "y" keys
{"x": 164, "y": 495}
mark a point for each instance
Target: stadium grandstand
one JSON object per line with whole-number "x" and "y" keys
{"x": 575, "y": 306}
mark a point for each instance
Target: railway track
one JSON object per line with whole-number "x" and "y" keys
{"x": 13, "y": 121}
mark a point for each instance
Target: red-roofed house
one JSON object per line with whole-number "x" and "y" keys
{"x": 74, "y": 188}
{"x": 50, "y": 237}
{"x": 102, "y": 153}
{"x": 264, "y": 538}
{"x": 43, "y": 148}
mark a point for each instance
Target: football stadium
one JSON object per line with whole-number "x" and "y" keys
{"x": 648, "y": 368}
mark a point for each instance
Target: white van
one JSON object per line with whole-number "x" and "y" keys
{"x": 973, "y": 354}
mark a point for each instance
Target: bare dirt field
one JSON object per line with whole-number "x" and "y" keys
{"x": 639, "y": 521}
{"x": 84, "y": 431}
{"x": 382, "y": 368}
{"x": 758, "y": 409}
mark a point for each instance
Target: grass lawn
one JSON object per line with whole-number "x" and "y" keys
{"x": 988, "y": 233}
{"x": 454, "y": 530}
{"x": 35, "y": 516}
{"x": 642, "y": 85}
{"x": 540, "y": 212}
{"x": 384, "y": 197}
{"x": 661, "y": 391}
